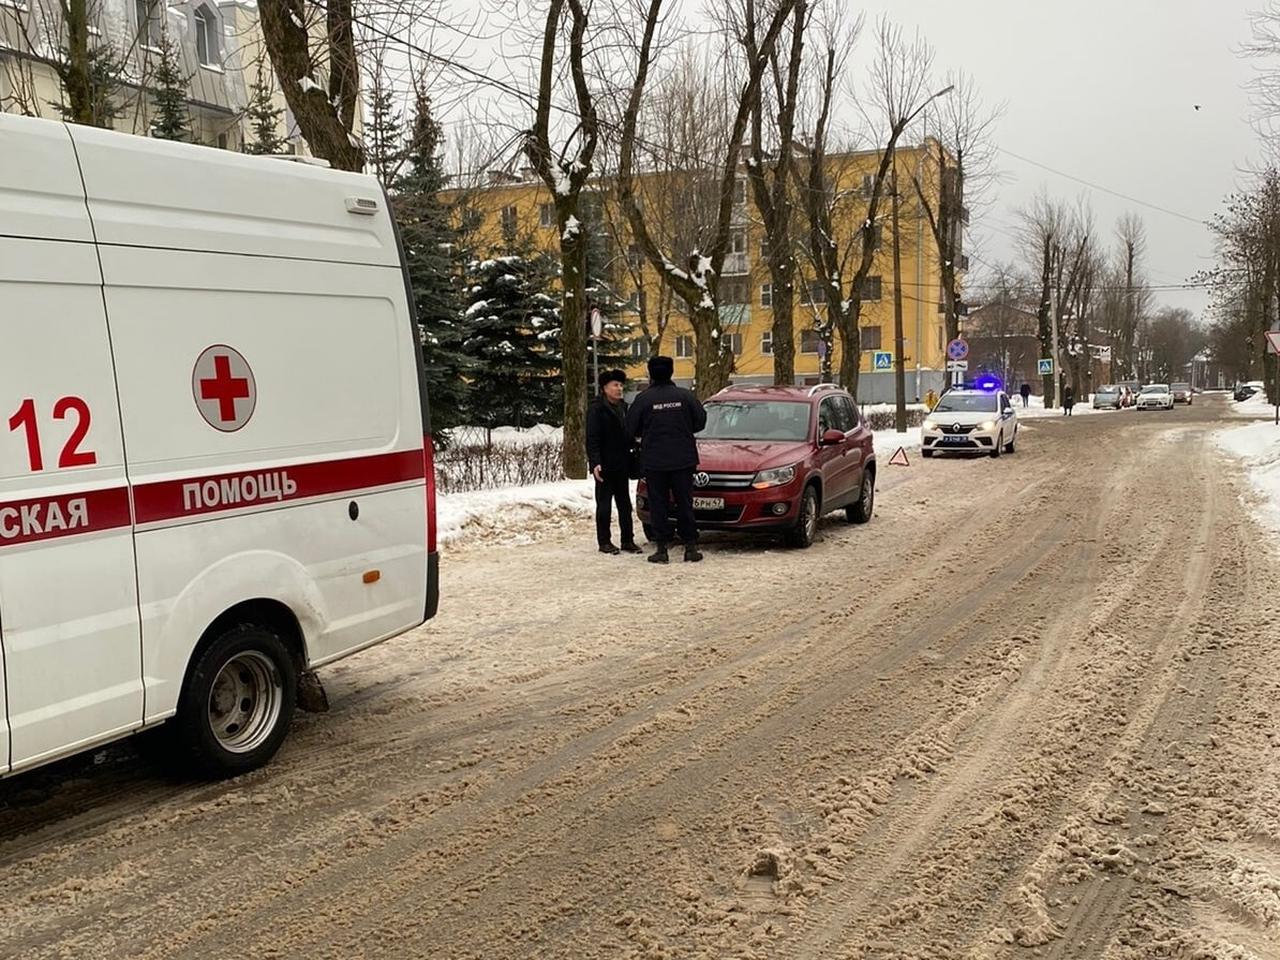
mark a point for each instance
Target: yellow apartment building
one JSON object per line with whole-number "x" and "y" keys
{"x": 520, "y": 205}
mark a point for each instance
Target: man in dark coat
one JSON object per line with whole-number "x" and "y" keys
{"x": 1025, "y": 390}
{"x": 609, "y": 453}
{"x": 665, "y": 418}
{"x": 1068, "y": 399}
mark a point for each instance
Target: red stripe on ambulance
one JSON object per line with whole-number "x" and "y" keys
{"x": 47, "y": 518}
{"x": 193, "y": 496}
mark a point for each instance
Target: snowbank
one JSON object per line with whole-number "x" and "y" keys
{"x": 1255, "y": 408}
{"x": 1036, "y": 409}
{"x": 506, "y": 436}
{"x": 508, "y": 507}
{"x": 1258, "y": 447}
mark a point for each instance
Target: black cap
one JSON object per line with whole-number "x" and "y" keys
{"x": 611, "y": 376}
{"x": 661, "y": 369}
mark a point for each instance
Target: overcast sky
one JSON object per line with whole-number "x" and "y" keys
{"x": 1105, "y": 90}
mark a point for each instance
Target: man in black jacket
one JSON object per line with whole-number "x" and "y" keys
{"x": 609, "y": 451}
{"x": 665, "y": 418}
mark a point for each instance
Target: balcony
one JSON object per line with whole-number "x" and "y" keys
{"x": 963, "y": 265}
{"x": 734, "y": 314}
{"x": 736, "y": 265}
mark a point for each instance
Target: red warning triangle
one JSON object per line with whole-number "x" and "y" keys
{"x": 899, "y": 459}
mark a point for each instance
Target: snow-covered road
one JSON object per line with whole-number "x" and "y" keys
{"x": 1032, "y": 705}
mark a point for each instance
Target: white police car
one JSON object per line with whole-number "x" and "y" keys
{"x": 974, "y": 418}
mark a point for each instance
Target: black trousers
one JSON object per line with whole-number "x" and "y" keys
{"x": 614, "y": 488}
{"x": 666, "y": 485}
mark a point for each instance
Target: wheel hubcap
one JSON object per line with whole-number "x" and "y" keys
{"x": 810, "y": 517}
{"x": 245, "y": 702}
{"x": 868, "y": 495}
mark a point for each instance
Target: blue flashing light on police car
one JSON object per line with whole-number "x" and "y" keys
{"x": 989, "y": 384}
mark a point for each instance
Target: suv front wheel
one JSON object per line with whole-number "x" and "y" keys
{"x": 806, "y": 529}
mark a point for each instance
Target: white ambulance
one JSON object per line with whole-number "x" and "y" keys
{"x": 215, "y": 454}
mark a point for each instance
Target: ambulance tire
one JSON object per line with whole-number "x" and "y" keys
{"x": 237, "y": 703}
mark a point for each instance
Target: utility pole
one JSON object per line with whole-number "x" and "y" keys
{"x": 1057, "y": 364}
{"x": 899, "y": 366}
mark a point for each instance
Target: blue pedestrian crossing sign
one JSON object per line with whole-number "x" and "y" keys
{"x": 882, "y": 360}
{"x": 1046, "y": 366}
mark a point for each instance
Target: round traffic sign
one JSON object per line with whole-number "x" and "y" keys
{"x": 224, "y": 389}
{"x": 958, "y": 349}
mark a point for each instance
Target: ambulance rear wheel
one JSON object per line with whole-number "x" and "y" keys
{"x": 237, "y": 703}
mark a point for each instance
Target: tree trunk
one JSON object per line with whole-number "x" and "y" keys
{"x": 784, "y": 330}
{"x": 710, "y": 366}
{"x": 573, "y": 338}
{"x": 287, "y": 42}
{"x": 77, "y": 81}
{"x": 850, "y": 350}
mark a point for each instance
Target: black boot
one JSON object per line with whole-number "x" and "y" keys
{"x": 691, "y": 553}
{"x": 610, "y": 549}
{"x": 659, "y": 555}
{"x": 630, "y": 546}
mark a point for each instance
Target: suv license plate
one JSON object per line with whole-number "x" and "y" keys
{"x": 708, "y": 503}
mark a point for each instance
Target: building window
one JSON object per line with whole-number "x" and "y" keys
{"x": 684, "y": 346}
{"x": 735, "y": 290}
{"x": 734, "y": 340}
{"x": 766, "y": 294}
{"x": 740, "y": 190}
{"x": 814, "y": 292}
{"x": 636, "y": 302}
{"x": 640, "y": 347}
{"x": 208, "y": 50}
{"x": 738, "y": 241}
{"x": 868, "y": 185}
{"x": 870, "y": 338}
{"x": 547, "y": 214}
{"x": 147, "y": 13}
{"x": 510, "y": 221}
{"x": 634, "y": 260}
{"x": 809, "y": 341}
{"x": 871, "y": 288}
{"x": 877, "y": 236}
{"x": 766, "y": 343}
{"x": 222, "y": 141}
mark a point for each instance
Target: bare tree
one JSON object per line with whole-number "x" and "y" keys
{"x": 899, "y": 82}
{"x": 1004, "y": 323}
{"x": 1135, "y": 298}
{"x": 565, "y": 172}
{"x": 697, "y": 283}
{"x": 771, "y": 184}
{"x": 960, "y": 166}
{"x": 1056, "y": 241}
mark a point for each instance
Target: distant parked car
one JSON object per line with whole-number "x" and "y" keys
{"x": 1108, "y": 397}
{"x": 1155, "y": 396}
{"x": 1246, "y": 390}
{"x": 1181, "y": 393}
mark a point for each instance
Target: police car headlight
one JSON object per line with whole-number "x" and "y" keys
{"x": 778, "y": 477}
{"x": 987, "y": 426}
{"x": 929, "y": 425}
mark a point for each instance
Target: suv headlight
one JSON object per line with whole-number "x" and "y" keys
{"x": 777, "y": 477}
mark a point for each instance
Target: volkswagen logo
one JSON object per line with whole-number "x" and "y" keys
{"x": 701, "y": 479}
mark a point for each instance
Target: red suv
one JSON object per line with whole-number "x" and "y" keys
{"x": 778, "y": 458}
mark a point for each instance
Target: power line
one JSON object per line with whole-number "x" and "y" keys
{"x": 1099, "y": 187}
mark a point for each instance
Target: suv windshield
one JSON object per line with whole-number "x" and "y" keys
{"x": 757, "y": 420}
{"x": 1184, "y": 387}
{"x": 966, "y": 403}
{"x": 1156, "y": 388}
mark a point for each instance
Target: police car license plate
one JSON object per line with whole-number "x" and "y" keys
{"x": 708, "y": 503}
{"x": 955, "y": 438}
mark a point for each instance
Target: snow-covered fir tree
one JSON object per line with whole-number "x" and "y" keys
{"x": 264, "y": 119}
{"x": 169, "y": 93}
{"x": 435, "y": 258}
{"x": 513, "y": 336}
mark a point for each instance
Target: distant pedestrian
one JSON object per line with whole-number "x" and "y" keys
{"x": 1068, "y": 400}
{"x": 1025, "y": 390}
{"x": 665, "y": 418}
{"x": 610, "y": 454}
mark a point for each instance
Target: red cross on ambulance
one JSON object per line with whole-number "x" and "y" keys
{"x": 224, "y": 388}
